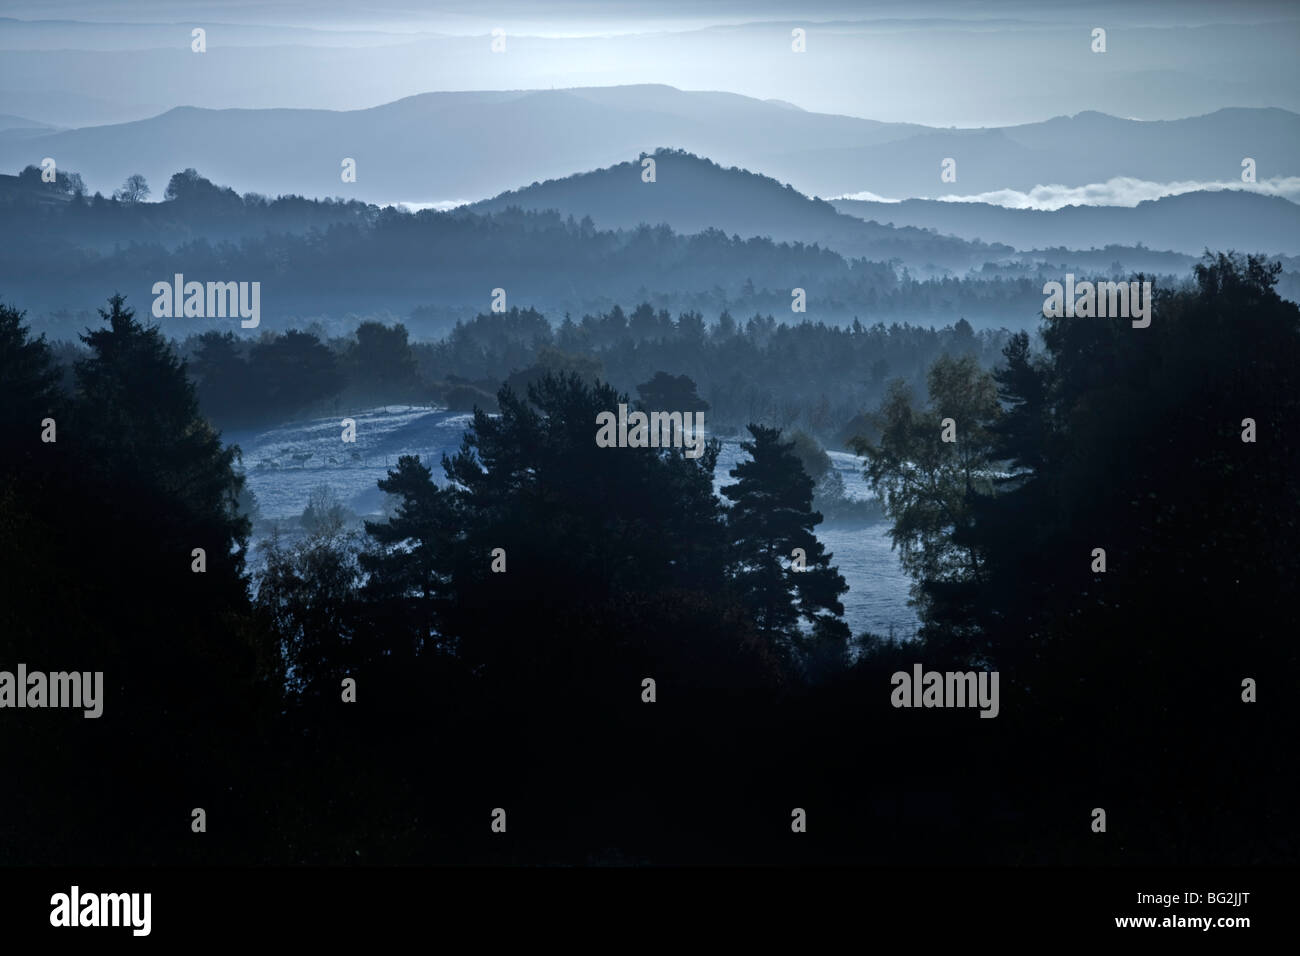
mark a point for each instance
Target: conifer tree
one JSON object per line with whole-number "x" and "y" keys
{"x": 771, "y": 516}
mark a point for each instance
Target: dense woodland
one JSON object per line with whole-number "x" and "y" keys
{"x": 821, "y": 378}
{"x": 523, "y": 689}
{"x": 332, "y": 261}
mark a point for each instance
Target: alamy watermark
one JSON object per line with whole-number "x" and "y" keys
{"x": 215, "y": 300}
{"x": 923, "y": 688}
{"x": 1102, "y": 300}
{"x": 71, "y": 689}
{"x": 651, "y": 430}
{"x": 75, "y": 908}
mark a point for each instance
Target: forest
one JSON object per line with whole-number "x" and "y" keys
{"x": 817, "y": 376}
{"x": 630, "y": 666}
{"x": 331, "y": 261}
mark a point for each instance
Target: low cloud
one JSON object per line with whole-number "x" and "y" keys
{"x": 444, "y": 205}
{"x": 1120, "y": 191}
{"x": 866, "y": 197}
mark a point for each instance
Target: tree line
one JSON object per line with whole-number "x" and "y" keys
{"x": 819, "y": 378}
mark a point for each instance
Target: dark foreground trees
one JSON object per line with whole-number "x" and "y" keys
{"x": 550, "y": 562}
{"x": 557, "y": 621}
{"x": 780, "y": 570}
{"x": 1133, "y": 567}
{"x": 588, "y": 639}
{"x": 108, "y": 509}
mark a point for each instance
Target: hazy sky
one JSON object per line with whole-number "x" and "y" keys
{"x": 72, "y": 63}
{"x": 566, "y": 15}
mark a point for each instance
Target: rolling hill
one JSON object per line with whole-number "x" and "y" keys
{"x": 692, "y": 194}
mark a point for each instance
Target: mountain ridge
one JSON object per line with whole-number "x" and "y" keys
{"x": 441, "y": 146}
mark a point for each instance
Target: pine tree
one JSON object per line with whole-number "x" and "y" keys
{"x": 114, "y": 587}
{"x": 138, "y": 427}
{"x": 771, "y": 516}
{"x": 34, "y": 480}
{"x": 409, "y": 561}
{"x": 28, "y": 387}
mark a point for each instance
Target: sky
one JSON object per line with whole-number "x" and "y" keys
{"x": 73, "y": 63}
{"x": 635, "y": 14}
{"x": 937, "y": 63}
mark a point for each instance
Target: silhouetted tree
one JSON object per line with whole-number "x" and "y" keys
{"x": 293, "y": 370}
{"x": 673, "y": 393}
{"x": 381, "y": 360}
{"x": 309, "y": 593}
{"x": 1126, "y": 445}
{"x": 927, "y": 483}
{"x": 770, "y": 517}
{"x": 190, "y": 187}
{"x": 66, "y": 184}
{"x": 135, "y": 189}
{"x": 135, "y": 570}
{"x": 408, "y": 562}
{"x": 223, "y": 382}
{"x": 29, "y": 381}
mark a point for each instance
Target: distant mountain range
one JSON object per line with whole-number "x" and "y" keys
{"x": 134, "y": 61}
{"x": 692, "y": 195}
{"x": 1075, "y": 150}
{"x": 19, "y": 127}
{"x": 10, "y": 122}
{"x": 465, "y": 146}
{"x": 1188, "y": 223}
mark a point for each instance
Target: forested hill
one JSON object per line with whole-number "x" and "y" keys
{"x": 691, "y": 194}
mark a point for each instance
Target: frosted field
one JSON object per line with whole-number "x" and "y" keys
{"x": 284, "y": 464}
